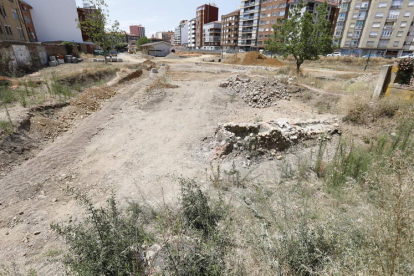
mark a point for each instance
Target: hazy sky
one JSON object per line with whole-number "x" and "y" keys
{"x": 159, "y": 15}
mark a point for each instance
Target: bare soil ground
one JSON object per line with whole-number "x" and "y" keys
{"x": 137, "y": 145}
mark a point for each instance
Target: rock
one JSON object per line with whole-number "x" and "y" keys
{"x": 7, "y": 233}
{"x": 55, "y": 200}
{"x": 36, "y": 233}
{"x": 279, "y": 157}
{"x": 21, "y": 213}
{"x": 394, "y": 134}
{"x": 336, "y": 125}
{"x": 154, "y": 70}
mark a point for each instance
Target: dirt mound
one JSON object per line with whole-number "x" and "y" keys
{"x": 172, "y": 56}
{"x": 253, "y": 58}
{"x": 135, "y": 74}
{"x": 90, "y": 99}
{"x": 87, "y": 76}
{"x": 148, "y": 65}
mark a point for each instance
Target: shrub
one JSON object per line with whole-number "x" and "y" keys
{"x": 108, "y": 242}
{"x": 69, "y": 47}
{"x": 202, "y": 246}
{"x": 198, "y": 211}
{"x": 7, "y": 96}
{"x": 405, "y": 70}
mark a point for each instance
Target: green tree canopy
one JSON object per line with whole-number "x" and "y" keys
{"x": 143, "y": 40}
{"x": 97, "y": 27}
{"x": 303, "y": 35}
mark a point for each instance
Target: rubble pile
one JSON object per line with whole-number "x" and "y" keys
{"x": 366, "y": 78}
{"x": 267, "y": 138}
{"x": 259, "y": 93}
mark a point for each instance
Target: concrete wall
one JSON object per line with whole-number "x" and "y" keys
{"x": 55, "y": 20}
{"x": 16, "y": 57}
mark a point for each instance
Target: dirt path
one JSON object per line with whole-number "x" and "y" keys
{"x": 138, "y": 144}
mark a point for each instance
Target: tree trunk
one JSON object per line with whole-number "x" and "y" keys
{"x": 298, "y": 64}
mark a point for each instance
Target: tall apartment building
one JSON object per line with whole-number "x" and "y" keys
{"x": 181, "y": 33}
{"x": 192, "y": 33}
{"x": 12, "y": 26}
{"x": 137, "y": 30}
{"x": 257, "y": 18}
{"x": 28, "y": 21}
{"x": 382, "y": 28}
{"x": 212, "y": 35}
{"x": 230, "y": 30}
{"x": 204, "y": 14}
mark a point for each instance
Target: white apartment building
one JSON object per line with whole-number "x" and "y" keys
{"x": 212, "y": 35}
{"x": 381, "y": 28}
{"x": 192, "y": 33}
{"x": 59, "y": 25}
{"x": 249, "y": 24}
{"x": 181, "y": 34}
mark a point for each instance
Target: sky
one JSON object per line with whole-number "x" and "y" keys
{"x": 159, "y": 15}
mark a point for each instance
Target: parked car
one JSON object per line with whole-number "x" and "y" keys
{"x": 98, "y": 52}
{"x": 113, "y": 53}
{"x": 334, "y": 54}
{"x": 407, "y": 56}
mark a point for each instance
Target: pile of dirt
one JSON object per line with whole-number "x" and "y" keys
{"x": 133, "y": 75}
{"x": 267, "y": 139}
{"x": 172, "y": 56}
{"x": 90, "y": 99}
{"x": 87, "y": 76}
{"x": 148, "y": 65}
{"x": 260, "y": 93}
{"x": 253, "y": 58}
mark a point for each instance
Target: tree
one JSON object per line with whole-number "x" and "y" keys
{"x": 143, "y": 40}
{"x": 96, "y": 25}
{"x": 303, "y": 35}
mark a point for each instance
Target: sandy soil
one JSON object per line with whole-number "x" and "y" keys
{"x": 137, "y": 145}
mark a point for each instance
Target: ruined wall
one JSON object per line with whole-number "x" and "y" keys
{"x": 19, "y": 57}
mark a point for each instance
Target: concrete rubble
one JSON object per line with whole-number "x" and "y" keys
{"x": 267, "y": 138}
{"x": 260, "y": 93}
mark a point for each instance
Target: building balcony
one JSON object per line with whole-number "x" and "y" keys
{"x": 356, "y": 36}
{"x": 339, "y": 28}
{"x": 343, "y": 9}
{"x": 358, "y": 27}
{"x": 341, "y": 19}
{"x": 396, "y": 7}
{"x": 392, "y": 18}
{"x": 362, "y": 18}
{"x": 386, "y": 36}
{"x": 388, "y": 27}
{"x": 247, "y": 30}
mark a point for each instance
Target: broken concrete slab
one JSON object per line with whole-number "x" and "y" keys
{"x": 267, "y": 137}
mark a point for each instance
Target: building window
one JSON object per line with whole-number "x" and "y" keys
{"x": 407, "y": 14}
{"x": 282, "y": 13}
{"x": 8, "y": 30}
{"x": 376, "y": 24}
{"x": 373, "y": 34}
{"x": 399, "y": 34}
{"x": 382, "y": 5}
{"x": 3, "y": 11}
{"x": 15, "y": 15}
{"x": 379, "y": 15}
{"x": 20, "y": 31}
{"x": 411, "y": 3}
{"x": 403, "y": 24}
{"x": 396, "y": 43}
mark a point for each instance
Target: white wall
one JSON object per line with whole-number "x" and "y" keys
{"x": 54, "y": 20}
{"x": 184, "y": 33}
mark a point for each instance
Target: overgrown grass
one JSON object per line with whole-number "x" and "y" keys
{"x": 346, "y": 210}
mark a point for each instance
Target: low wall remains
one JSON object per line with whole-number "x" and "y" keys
{"x": 17, "y": 58}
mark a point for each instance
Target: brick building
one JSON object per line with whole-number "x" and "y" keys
{"x": 230, "y": 30}
{"x": 137, "y": 30}
{"x": 84, "y": 13}
{"x": 204, "y": 14}
{"x": 28, "y": 21}
{"x": 12, "y": 25}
